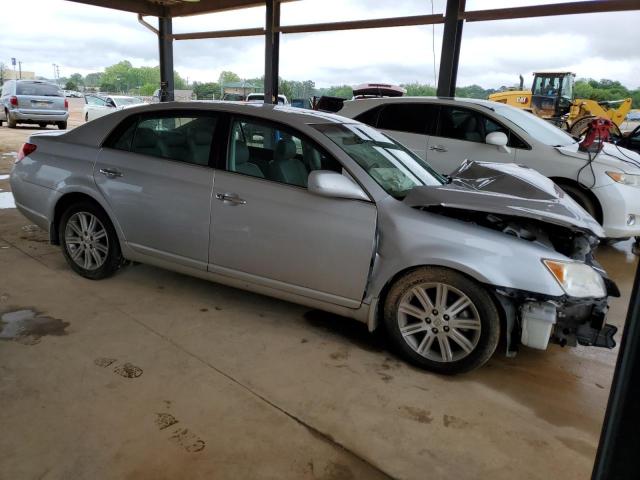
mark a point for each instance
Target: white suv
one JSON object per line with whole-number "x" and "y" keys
{"x": 445, "y": 132}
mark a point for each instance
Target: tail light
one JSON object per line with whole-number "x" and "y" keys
{"x": 66, "y": 104}
{"x": 13, "y": 101}
{"x": 27, "y": 149}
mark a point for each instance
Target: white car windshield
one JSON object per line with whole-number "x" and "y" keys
{"x": 537, "y": 128}
{"x": 393, "y": 167}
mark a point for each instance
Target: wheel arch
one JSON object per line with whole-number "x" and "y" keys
{"x": 573, "y": 183}
{"x": 63, "y": 203}
{"x": 375, "y": 319}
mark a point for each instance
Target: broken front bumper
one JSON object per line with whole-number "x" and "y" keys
{"x": 537, "y": 320}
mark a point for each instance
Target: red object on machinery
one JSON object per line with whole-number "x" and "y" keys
{"x": 597, "y": 133}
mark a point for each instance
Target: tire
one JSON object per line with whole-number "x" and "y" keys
{"x": 11, "y": 121}
{"x": 584, "y": 200}
{"x": 86, "y": 117}
{"x": 106, "y": 257}
{"x": 42, "y": 125}
{"x": 62, "y": 125}
{"x": 421, "y": 345}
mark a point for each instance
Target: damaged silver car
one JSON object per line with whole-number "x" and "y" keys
{"x": 329, "y": 213}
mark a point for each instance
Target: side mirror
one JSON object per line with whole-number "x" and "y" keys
{"x": 499, "y": 139}
{"x": 332, "y": 184}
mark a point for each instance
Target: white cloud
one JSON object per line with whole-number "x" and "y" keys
{"x": 83, "y": 39}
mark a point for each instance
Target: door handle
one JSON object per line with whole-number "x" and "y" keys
{"x": 437, "y": 148}
{"x": 110, "y": 172}
{"x": 231, "y": 198}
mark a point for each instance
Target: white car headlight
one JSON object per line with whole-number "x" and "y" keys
{"x": 577, "y": 279}
{"x": 625, "y": 178}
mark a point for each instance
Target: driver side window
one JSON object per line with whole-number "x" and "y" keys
{"x": 96, "y": 101}
{"x": 265, "y": 150}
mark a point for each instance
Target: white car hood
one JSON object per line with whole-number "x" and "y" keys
{"x": 611, "y": 155}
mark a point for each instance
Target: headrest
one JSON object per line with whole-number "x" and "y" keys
{"x": 201, "y": 137}
{"x": 145, "y": 138}
{"x": 242, "y": 153}
{"x": 175, "y": 139}
{"x": 285, "y": 149}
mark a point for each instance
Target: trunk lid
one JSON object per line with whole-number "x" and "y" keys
{"x": 506, "y": 189}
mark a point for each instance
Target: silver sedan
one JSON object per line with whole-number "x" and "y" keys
{"x": 326, "y": 212}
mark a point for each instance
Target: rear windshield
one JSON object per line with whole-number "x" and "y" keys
{"x": 38, "y": 89}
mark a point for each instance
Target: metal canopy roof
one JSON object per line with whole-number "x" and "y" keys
{"x": 172, "y": 8}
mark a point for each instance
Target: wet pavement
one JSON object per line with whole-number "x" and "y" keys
{"x": 151, "y": 374}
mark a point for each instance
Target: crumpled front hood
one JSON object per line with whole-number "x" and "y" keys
{"x": 506, "y": 189}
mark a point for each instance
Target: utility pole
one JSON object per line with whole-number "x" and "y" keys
{"x": 20, "y": 70}
{"x": 1, "y": 73}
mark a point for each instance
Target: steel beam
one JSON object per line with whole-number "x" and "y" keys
{"x": 271, "y": 51}
{"x": 451, "y": 41}
{"x": 567, "y": 8}
{"x": 165, "y": 46}
{"x": 241, "y": 32}
{"x": 617, "y": 456}
{"x": 135, "y": 6}
{"x": 361, "y": 24}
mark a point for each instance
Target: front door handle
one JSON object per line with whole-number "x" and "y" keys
{"x": 437, "y": 148}
{"x": 231, "y": 198}
{"x": 110, "y": 172}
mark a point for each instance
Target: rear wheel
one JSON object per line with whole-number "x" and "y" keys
{"x": 42, "y": 125}
{"x": 62, "y": 125}
{"x": 89, "y": 242}
{"x": 11, "y": 121}
{"x": 440, "y": 320}
{"x": 86, "y": 117}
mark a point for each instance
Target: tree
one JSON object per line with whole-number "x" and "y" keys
{"x": 77, "y": 79}
{"x": 228, "y": 77}
{"x": 206, "y": 91}
{"x": 70, "y": 85}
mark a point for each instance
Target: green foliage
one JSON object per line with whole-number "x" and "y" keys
{"x": 605, "y": 90}
{"x": 206, "y": 91}
{"x": 148, "y": 89}
{"x": 228, "y": 77}
{"x": 343, "y": 91}
{"x": 71, "y": 85}
{"x": 419, "y": 90}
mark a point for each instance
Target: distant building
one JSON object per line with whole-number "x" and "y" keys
{"x": 178, "y": 95}
{"x": 10, "y": 74}
{"x": 235, "y": 90}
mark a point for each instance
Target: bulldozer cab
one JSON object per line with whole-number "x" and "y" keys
{"x": 552, "y": 93}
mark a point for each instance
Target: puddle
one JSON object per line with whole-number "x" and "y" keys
{"x": 28, "y": 326}
{"x": 4, "y": 177}
{"x": 6, "y": 200}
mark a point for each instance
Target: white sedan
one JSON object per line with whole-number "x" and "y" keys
{"x": 96, "y": 106}
{"x": 446, "y": 131}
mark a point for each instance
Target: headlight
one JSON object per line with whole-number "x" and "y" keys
{"x": 625, "y": 178}
{"x": 577, "y": 279}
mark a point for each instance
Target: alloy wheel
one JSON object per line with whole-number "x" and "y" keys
{"x": 439, "y": 322}
{"x": 86, "y": 240}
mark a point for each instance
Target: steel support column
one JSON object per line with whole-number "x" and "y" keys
{"x": 617, "y": 456}
{"x": 272, "y": 51}
{"x": 165, "y": 45}
{"x": 451, "y": 40}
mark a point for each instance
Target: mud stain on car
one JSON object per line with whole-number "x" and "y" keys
{"x": 104, "y": 362}
{"x": 128, "y": 370}
{"x": 454, "y": 422}
{"x": 165, "y": 420}
{"x": 580, "y": 446}
{"x": 27, "y": 326}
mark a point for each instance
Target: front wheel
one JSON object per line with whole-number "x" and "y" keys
{"x": 89, "y": 242}
{"x": 442, "y": 321}
{"x": 583, "y": 199}
{"x": 62, "y": 125}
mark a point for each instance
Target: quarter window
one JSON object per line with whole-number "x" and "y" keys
{"x": 267, "y": 151}
{"x": 471, "y": 126}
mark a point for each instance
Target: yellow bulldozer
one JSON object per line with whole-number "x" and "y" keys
{"x": 551, "y": 98}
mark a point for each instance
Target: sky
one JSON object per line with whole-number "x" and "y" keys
{"x": 85, "y": 39}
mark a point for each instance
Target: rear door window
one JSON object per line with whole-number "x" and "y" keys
{"x": 38, "y": 89}
{"x": 408, "y": 117}
{"x": 184, "y": 138}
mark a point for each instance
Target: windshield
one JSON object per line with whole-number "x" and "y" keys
{"x": 392, "y": 166}
{"x": 127, "y": 101}
{"x": 38, "y": 89}
{"x": 537, "y": 128}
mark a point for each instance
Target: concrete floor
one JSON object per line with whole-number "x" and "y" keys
{"x": 151, "y": 374}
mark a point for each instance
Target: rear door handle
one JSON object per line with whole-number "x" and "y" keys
{"x": 110, "y": 172}
{"x": 437, "y": 148}
{"x": 231, "y": 198}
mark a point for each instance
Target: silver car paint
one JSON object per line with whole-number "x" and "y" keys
{"x": 406, "y": 237}
{"x": 35, "y": 108}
